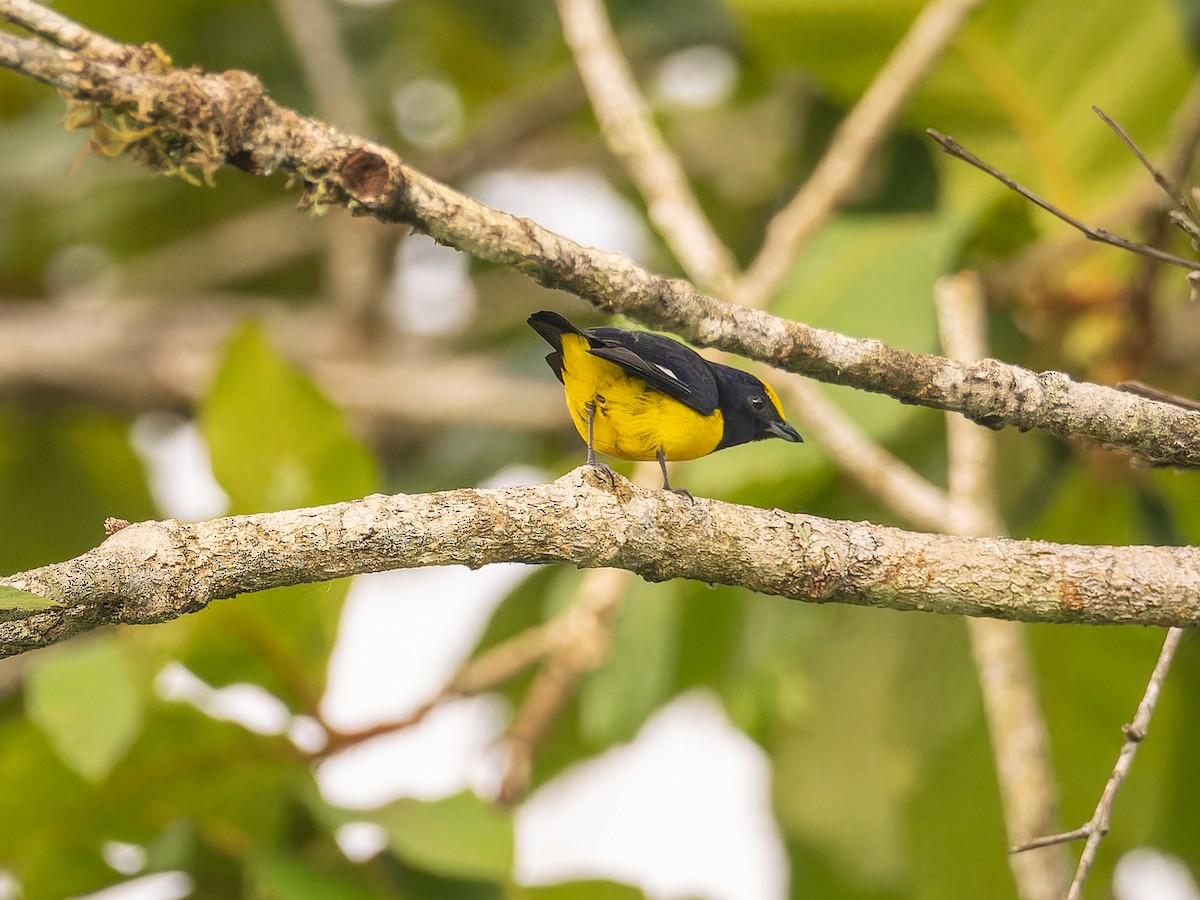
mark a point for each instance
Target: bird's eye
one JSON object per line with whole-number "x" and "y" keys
{"x": 757, "y": 402}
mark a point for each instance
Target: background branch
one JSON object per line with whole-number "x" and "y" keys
{"x": 170, "y": 352}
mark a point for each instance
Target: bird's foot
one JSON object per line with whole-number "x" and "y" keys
{"x": 603, "y": 472}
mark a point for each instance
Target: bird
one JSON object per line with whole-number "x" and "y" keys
{"x": 639, "y": 395}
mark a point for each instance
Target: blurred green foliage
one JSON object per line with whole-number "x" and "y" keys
{"x": 883, "y": 781}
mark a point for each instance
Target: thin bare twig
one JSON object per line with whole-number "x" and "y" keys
{"x": 484, "y": 673}
{"x": 1097, "y": 827}
{"x": 1052, "y": 840}
{"x": 1185, "y": 214}
{"x": 856, "y": 139}
{"x": 1016, "y": 724}
{"x": 1171, "y": 190}
{"x": 955, "y": 149}
{"x": 1179, "y": 156}
{"x": 336, "y": 741}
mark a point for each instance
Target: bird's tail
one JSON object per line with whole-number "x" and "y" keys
{"x": 551, "y": 326}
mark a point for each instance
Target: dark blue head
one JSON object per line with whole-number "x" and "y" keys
{"x": 751, "y": 409}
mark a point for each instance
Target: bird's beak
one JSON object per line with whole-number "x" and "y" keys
{"x": 785, "y": 431}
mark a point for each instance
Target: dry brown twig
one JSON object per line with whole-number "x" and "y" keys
{"x": 1180, "y": 154}
{"x": 955, "y": 149}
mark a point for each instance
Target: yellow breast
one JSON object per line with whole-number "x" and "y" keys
{"x": 632, "y": 421}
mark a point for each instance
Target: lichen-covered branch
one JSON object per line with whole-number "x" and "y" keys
{"x": 191, "y": 123}
{"x": 154, "y": 571}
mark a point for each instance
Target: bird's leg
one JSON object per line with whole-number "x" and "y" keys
{"x": 590, "y": 408}
{"x": 662, "y": 462}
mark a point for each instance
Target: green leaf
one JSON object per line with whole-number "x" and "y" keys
{"x": 847, "y": 762}
{"x": 279, "y": 875}
{"x": 637, "y": 679}
{"x": 276, "y": 442}
{"x": 576, "y": 890}
{"x": 1085, "y": 509}
{"x": 22, "y": 601}
{"x": 87, "y": 700}
{"x": 61, "y": 475}
{"x": 461, "y": 836}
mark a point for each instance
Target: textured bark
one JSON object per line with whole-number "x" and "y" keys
{"x": 155, "y": 571}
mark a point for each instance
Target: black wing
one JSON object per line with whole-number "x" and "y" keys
{"x": 665, "y": 364}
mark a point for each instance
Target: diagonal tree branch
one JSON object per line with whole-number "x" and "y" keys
{"x": 190, "y": 122}
{"x": 155, "y": 571}
{"x": 958, "y": 151}
{"x": 628, "y": 127}
{"x": 856, "y": 139}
